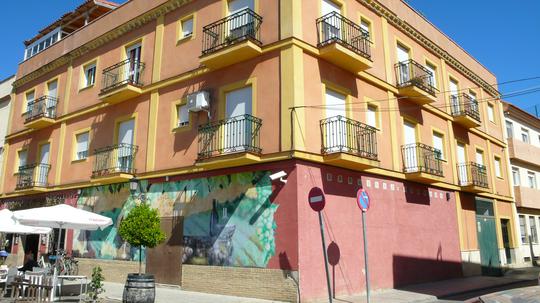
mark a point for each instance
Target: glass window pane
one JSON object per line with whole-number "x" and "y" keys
{"x": 523, "y": 229}
{"x": 438, "y": 143}
{"x": 183, "y": 115}
{"x": 532, "y": 226}
{"x": 187, "y": 27}
{"x": 82, "y": 146}
{"x": 509, "y": 129}
{"x": 371, "y": 115}
{"x": 515, "y": 176}
{"x": 491, "y": 113}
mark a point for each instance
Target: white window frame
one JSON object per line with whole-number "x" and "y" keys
{"x": 525, "y": 136}
{"x": 497, "y": 166}
{"x": 432, "y": 68}
{"x": 179, "y": 123}
{"x": 509, "y": 129}
{"x": 491, "y": 112}
{"x": 516, "y": 178}
{"x": 183, "y": 22}
{"x": 83, "y": 153}
{"x": 531, "y": 179}
{"x": 436, "y": 134}
{"x": 87, "y": 68}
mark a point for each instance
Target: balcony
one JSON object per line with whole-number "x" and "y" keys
{"x": 522, "y": 151}
{"x": 122, "y": 81}
{"x": 114, "y": 164}
{"x": 415, "y": 82}
{"x": 33, "y": 178}
{"x": 473, "y": 177}
{"x": 230, "y": 142}
{"x": 348, "y": 143}
{"x": 422, "y": 162}
{"x": 233, "y": 39}
{"x": 343, "y": 43}
{"x": 41, "y": 112}
{"x": 465, "y": 110}
{"x": 527, "y": 197}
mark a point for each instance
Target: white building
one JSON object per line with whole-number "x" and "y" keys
{"x": 523, "y": 133}
{"x": 5, "y": 106}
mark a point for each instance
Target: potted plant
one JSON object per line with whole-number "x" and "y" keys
{"x": 141, "y": 228}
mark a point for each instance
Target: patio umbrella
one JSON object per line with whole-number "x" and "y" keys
{"x": 62, "y": 216}
{"x": 8, "y": 224}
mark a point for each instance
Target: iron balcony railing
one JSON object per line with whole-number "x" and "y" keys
{"x": 344, "y": 135}
{"x": 412, "y": 73}
{"x": 232, "y": 135}
{"x": 43, "y": 107}
{"x": 418, "y": 157}
{"x": 464, "y": 105}
{"x": 240, "y": 26}
{"x": 114, "y": 159}
{"x": 33, "y": 175}
{"x": 334, "y": 28}
{"x": 472, "y": 174}
{"x": 128, "y": 71}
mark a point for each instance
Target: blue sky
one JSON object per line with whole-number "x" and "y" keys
{"x": 502, "y": 35}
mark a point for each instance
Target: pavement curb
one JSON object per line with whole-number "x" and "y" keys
{"x": 459, "y": 293}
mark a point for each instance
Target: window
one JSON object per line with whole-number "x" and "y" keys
{"x": 509, "y": 129}
{"x": 491, "y": 113}
{"x": 438, "y": 140}
{"x": 433, "y": 70}
{"x": 182, "y": 115}
{"x": 81, "y": 151}
{"x": 371, "y": 115}
{"x": 525, "y": 135}
{"x": 186, "y": 27}
{"x": 531, "y": 178}
{"x": 29, "y": 99}
{"x": 479, "y": 157}
{"x": 515, "y": 176}
{"x": 89, "y": 75}
{"x": 365, "y": 25}
{"x": 22, "y": 156}
{"x": 498, "y": 170}
{"x": 532, "y": 226}
{"x": 523, "y": 229}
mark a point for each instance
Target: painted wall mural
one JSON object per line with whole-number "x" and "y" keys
{"x": 227, "y": 220}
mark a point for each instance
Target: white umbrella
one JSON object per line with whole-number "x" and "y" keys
{"x": 62, "y": 216}
{"x": 8, "y": 224}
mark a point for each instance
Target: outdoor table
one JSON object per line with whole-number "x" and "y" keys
{"x": 82, "y": 280}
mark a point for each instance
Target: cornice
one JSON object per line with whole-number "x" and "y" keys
{"x": 427, "y": 43}
{"x": 102, "y": 40}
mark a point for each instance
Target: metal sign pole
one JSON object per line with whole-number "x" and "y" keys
{"x": 365, "y": 253}
{"x": 325, "y": 258}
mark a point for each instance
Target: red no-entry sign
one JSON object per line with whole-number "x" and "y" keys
{"x": 316, "y": 199}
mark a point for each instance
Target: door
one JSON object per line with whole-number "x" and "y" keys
{"x": 404, "y": 69}
{"x": 479, "y": 157}
{"x": 125, "y": 147}
{"x": 42, "y": 170}
{"x": 165, "y": 260}
{"x": 462, "y": 164}
{"x": 410, "y": 153}
{"x": 487, "y": 238}
{"x": 238, "y": 128}
{"x": 331, "y": 26}
{"x": 50, "y": 103}
{"x": 134, "y": 66}
{"x": 454, "y": 99}
{"x": 242, "y": 25}
{"x": 505, "y": 231}
{"x": 336, "y": 128}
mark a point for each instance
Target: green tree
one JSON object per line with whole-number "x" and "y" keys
{"x": 96, "y": 285}
{"x": 141, "y": 228}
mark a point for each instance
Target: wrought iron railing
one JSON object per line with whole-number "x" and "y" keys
{"x": 333, "y": 27}
{"x": 33, "y": 175}
{"x": 472, "y": 174}
{"x": 464, "y": 105}
{"x": 233, "y": 135}
{"x": 128, "y": 71}
{"x": 114, "y": 159}
{"x": 344, "y": 135}
{"x": 418, "y": 157}
{"x": 412, "y": 73}
{"x": 240, "y": 26}
{"x": 43, "y": 107}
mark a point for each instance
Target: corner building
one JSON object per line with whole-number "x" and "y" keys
{"x": 203, "y": 100}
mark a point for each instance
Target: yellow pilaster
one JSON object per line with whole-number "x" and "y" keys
{"x": 498, "y": 224}
{"x": 290, "y": 19}
{"x": 453, "y": 157}
{"x": 386, "y": 48}
{"x": 152, "y": 131}
{"x": 4, "y": 167}
{"x": 60, "y": 154}
{"x": 158, "y": 49}
{"x": 67, "y": 94}
{"x": 10, "y": 114}
{"x": 396, "y": 151}
{"x": 293, "y": 121}
{"x": 462, "y": 241}
{"x": 443, "y": 85}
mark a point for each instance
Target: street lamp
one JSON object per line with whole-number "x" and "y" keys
{"x": 136, "y": 190}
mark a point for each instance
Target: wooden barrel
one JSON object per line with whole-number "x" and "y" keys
{"x": 139, "y": 289}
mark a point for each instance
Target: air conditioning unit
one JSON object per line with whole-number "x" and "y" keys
{"x": 198, "y": 101}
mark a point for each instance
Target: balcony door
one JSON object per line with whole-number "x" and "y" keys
{"x": 125, "y": 148}
{"x": 411, "y": 153}
{"x": 336, "y": 131}
{"x": 237, "y": 129}
{"x": 133, "y": 70}
{"x": 462, "y": 164}
{"x": 404, "y": 70}
{"x": 42, "y": 170}
{"x": 331, "y": 28}
{"x": 454, "y": 98}
{"x": 50, "y": 103}
{"x": 242, "y": 25}
{"x": 479, "y": 157}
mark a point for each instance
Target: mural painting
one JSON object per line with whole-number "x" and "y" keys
{"x": 228, "y": 220}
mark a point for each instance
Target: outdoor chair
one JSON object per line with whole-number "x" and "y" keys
{"x": 11, "y": 274}
{"x": 35, "y": 287}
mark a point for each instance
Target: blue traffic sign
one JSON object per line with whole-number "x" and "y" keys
{"x": 362, "y": 200}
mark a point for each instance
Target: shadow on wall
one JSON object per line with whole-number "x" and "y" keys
{"x": 417, "y": 194}
{"x": 410, "y": 270}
